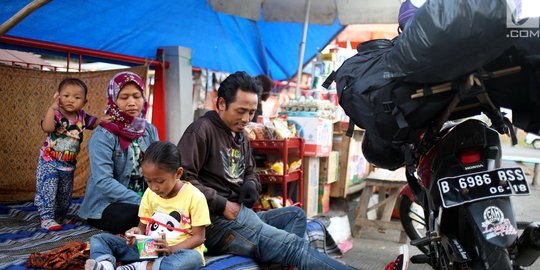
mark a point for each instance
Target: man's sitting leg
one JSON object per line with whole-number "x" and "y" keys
{"x": 249, "y": 236}
{"x": 291, "y": 219}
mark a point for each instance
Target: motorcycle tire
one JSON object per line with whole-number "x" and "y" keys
{"x": 413, "y": 223}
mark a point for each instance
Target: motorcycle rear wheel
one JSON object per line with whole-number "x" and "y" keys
{"x": 412, "y": 220}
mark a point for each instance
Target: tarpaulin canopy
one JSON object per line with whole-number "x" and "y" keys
{"x": 218, "y": 41}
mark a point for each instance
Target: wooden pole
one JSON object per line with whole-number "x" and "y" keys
{"x": 6, "y": 26}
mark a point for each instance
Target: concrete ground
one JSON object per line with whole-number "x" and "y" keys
{"x": 373, "y": 250}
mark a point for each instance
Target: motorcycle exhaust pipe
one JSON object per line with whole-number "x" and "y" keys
{"x": 528, "y": 245}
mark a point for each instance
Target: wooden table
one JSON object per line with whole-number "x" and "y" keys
{"x": 387, "y": 183}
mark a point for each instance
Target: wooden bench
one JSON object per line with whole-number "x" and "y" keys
{"x": 535, "y": 173}
{"x": 388, "y": 184}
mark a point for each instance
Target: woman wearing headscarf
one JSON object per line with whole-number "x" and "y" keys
{"x": 115, "y": 184}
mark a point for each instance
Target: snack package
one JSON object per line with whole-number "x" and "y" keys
{"x": 292, "y": 129}
{"x": 295, "y": 165}
{"x": 277, "y": 167}
{"x": 265, "y": 203}
{"x": 250, "y": 132}
{"x": 281, "y": 128}
{"x": 276, "y": 202}
{"x": 258, "y": 131}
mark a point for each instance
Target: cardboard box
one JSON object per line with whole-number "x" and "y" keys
{"x": 353, "y": 167}
{"x": 311, "y": 186}
{"x": 329, "y": 168}
{"x": 317, "y": 133}
{"x": 328, "y": 57}
{"x": 324, "y": 198}
{"x": 357, "y": 165}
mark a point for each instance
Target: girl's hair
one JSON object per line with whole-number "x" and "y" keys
{"x": 73, "y": 81}
{"x": 164, "y": 155}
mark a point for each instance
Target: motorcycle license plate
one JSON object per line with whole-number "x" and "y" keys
{"x": 457, "y": 190}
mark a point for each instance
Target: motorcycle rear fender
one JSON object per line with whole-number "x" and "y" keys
{"x": 406, "y": 191}
{"x": 495, "y": 220}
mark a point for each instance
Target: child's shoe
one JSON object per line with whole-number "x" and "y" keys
{"x": 69, "y": 220}
{"x": 402, "y": 260}
{"x": 94, "y": 265}
{"x": 50, "y": 225}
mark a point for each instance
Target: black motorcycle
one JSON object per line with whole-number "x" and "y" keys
{"x": 456, "y": 207}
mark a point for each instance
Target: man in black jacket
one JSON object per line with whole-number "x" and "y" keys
{"x": 217, "y": 159}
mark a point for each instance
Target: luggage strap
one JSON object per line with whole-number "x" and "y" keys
{"x": 326, "y": 84}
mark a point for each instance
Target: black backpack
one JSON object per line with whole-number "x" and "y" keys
{"x": 395, "y": 113}
{"x": 383, "y": 106}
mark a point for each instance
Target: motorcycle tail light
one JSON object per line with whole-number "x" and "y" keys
{"x": 468, "y": 157}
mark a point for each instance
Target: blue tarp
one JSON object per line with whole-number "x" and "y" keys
{"x": 137, "y": 28}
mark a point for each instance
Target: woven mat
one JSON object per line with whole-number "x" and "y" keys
{"x": 21, "y": 234}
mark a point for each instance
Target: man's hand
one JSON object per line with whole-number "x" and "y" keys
{"x": 231, "y": 210}
{"x": 248, "y": 194}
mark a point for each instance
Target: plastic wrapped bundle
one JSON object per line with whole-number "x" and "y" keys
{"x": 519, "y": 91}
{"x": 446, "y": 39}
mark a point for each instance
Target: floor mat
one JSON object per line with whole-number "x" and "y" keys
{"x": 21, "y": 234}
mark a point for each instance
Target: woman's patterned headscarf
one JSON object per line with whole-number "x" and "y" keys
{"x": 126, "y": 127}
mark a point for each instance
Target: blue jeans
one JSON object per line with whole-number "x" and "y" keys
{"x": 257, "y": 235}
{"x": 109, "y": 247}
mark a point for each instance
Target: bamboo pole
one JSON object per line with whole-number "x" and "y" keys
{"x": 19, "y": 16}
{"x": 440, "y": 88}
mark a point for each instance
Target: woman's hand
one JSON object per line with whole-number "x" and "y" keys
{"x": 162, "y": 246}
{"x": 130, "y": 235}
{"x": 231, "y": 210}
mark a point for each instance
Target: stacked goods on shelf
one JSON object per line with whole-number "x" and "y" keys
{"x": 275, "y": 128}
{"x": 314, "y": 120}
{"x": 271, "y": 202}
{"x": 279, "y": 161}
{"x": 309, "y": 107}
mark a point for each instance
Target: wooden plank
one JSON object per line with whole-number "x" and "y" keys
{"x": 361, "y": 210}
{"x": 382, "y": 201}
{"x": 384, "y": 207}
{"x": 381, "y": 224}
{"x": 387, "y": 175}
{"x": 347, "y": 146}
{"x": 389, "y": 207}
{"x": 338, "y": 189}
{"x": 536, "y": 174}
{"x": 356, "y": 188}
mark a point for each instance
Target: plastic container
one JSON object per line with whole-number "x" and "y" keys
{"x": 146, "y": 246}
